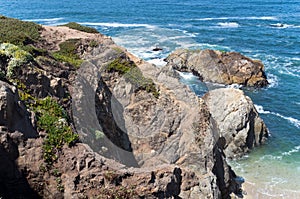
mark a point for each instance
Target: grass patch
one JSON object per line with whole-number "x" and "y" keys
{"x": 133, "y": 74}
{"x": 82, "y": 28}
{"x": 18, "y": 32}
{"x": 68, "y": 53}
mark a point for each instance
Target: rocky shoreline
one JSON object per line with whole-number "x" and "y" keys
{"x": 142, "y": 133}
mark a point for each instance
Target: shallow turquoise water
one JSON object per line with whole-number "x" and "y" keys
{"x": 268, "y": 30}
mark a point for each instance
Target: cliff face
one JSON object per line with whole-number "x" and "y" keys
{"x": 143, "y": 133}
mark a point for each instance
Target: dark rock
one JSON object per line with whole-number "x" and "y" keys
{"x": 13, "y": 113}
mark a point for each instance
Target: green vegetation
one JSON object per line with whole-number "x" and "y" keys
{"x": 18, "y": 32}
{"x": 121, "y": 65}
{"x": 52, "y": 118}
{"x": 16, "y": 58}
{"x": 68, "y": 53}
{"x": 136, "y": 77}
{"x": 133, "y": 74}
{"x": 59, "y": 186}
{"x": 93, "y": 44}
{"x": 35, "y": 52}
{"x": 82, "y": 28}
{"x": 99, "y": 135}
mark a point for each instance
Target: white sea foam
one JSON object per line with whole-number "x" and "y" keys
{"x": 294, "y": 150}
{"x": 260, "y": 109}
{"x": 186, "y": 75}
{"x": 45, "y": 20}
{"x": 236, "y": 86}
{"x": 157, "y": 62}
{"x": 282, "y": 25}
{"x": 288, "y": 72}
{"x": 273, "y": 80}
{"x": 261, "y": 18}
{"x": 228, "y": 25}
{"x": 118, "y": 25}
{"x": 292, "y": 120}
{"x": 237, "y": 18}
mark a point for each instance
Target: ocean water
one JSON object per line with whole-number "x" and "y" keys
{"x": 268, "y": 30}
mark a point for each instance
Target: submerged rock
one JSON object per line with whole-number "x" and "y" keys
{"x": 219, "y": 67}
{"x": 240, "y": 126}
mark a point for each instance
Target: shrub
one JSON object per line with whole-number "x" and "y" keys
{"x": 52, "y": 118}
{"x": 82, "y": 28}
{"x": 18, "y": 32}
{"x": 16, "y": 58}
{"x": 35, "y": 52}
{"x": 121, "y": 65}
{"x": 68, "y": 53}
{"x": 93, "y": 43}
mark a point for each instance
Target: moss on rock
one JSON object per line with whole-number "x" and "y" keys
{"x": 133, "y": 74}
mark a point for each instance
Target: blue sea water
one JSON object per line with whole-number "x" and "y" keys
{"x": 268, "y": 30}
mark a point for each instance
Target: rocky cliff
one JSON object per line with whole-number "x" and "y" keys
{"x": 114, "y": 126}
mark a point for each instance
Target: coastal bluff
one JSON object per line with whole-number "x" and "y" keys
{"x": 102, "y": 123}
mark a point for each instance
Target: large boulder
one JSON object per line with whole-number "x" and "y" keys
{"x": 219, "y": 67}
{"x": 239, "y": 124}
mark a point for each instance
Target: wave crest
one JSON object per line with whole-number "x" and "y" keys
{"x": 228, "y": 25}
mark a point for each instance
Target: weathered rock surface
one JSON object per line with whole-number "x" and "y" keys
{"x": 219, "y": 67}
{"x": 239, "y": 124}
{"x": 13, "y": 113}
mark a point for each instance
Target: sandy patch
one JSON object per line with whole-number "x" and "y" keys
{"x": 54, "y": 35}
{"x": 253, "y": 191}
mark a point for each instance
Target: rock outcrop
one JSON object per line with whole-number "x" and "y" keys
{"x": 219, "y": 67}
{"x": 174, "y": 129}
{"x": 239, "y": 124}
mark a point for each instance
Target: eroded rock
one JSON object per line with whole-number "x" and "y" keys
{"x": 219, "y": 67}
{"x": 240, "y": 126}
